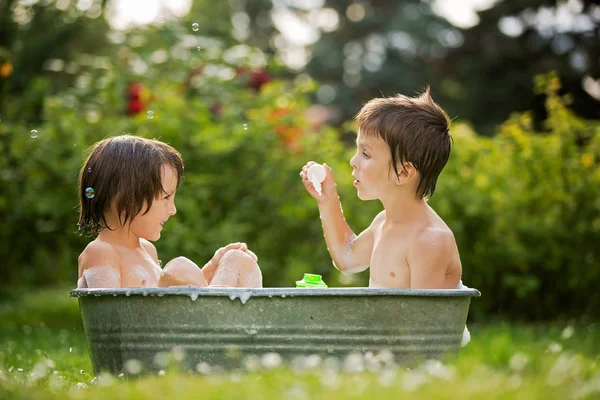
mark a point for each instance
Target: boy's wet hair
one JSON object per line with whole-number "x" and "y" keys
{"x": 126, "y": 168}
{"x": 415, "y": 129}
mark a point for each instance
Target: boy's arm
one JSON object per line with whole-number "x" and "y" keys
{"x": 99, "y": 266}
{"x": 429, "y": 257}
{"x": 350, "y": 253}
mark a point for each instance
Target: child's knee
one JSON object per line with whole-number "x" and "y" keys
{"x": 236, "y": 257}
{"x": 181, "y": 271}
{"x": 247, "y": 270}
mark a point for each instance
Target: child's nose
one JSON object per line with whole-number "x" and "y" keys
{"x": 353, "y": 162}
{"x": 172, "y": 209}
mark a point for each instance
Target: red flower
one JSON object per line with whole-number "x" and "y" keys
{"x": 256, "y": 79}
{"x": 137, "y": 98}
{"x": 289, "y": 133}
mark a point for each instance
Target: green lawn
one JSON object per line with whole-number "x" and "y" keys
{"x": 43, "y": 355}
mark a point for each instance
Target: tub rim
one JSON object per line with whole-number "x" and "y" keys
{"x": 273, "y": 291}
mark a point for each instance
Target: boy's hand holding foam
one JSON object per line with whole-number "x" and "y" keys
{"x": 325, "y": 190}
{"x": 350, "y": 253}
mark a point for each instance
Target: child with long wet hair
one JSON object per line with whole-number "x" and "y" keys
{"x": 127, "y": 188}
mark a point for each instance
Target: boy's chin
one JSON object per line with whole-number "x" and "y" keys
{"x": 364, "y": 197}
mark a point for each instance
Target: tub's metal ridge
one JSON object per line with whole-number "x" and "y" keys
{"x": 274, "y": 292}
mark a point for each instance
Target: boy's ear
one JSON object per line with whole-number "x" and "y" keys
{"x": 406, "y": 173}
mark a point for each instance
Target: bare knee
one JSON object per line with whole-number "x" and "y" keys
{"x": 237, "y": 268}
{"x": 181, "y": 271}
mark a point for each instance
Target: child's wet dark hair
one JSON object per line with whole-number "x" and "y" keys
{"x": 127, "y": 169}
{"x": 416, "y": 130}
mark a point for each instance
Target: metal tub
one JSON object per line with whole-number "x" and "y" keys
{"x": 222, "y": 326}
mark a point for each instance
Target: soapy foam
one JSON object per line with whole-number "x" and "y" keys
{"x": 466, "y": 334}
{"x": 244, "y": 296}
{"x": 347, "y": 257}
{"x": 105, "y": 276}
{"x": 466, "y": 337}
{"x": 316, "y": 174}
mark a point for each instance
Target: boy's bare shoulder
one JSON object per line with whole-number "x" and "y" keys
{"x": 150, "y": 249}
{"x": 378, "y": 220}
{"x": 99, "y": 253}
{"x": 433, "y": 242}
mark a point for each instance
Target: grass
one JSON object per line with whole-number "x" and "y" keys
{"x": 43, "y": 355}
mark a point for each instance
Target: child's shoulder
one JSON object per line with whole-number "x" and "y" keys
{"x": 149, "y": 247}
{"x": 378, "y": 220}
{"x": 99, "y": 252}
{"x": 435, "y": 240}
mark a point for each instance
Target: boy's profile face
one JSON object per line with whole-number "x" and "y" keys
{"x": 371, "y": 167}
{"x": 148, "y": 225}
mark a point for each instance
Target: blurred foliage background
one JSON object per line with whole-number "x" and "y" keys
{"x": 250, "y": 91}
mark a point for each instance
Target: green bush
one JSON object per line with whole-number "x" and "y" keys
{"x": 241, "y": 179}
{"x": 525, "y": 209}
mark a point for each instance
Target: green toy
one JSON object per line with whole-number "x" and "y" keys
{"x": 311, "y": 281}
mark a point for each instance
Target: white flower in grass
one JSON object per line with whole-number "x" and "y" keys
{"x": 555, "y": 347}
{"x": 518, "y": 361}
{"x": 567, "y": 332}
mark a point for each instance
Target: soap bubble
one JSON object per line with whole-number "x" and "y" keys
{"x": 195, "y": 27}
{"x": 150, "y": 114}
{"x": 90, "y": 193}
{"x": 245, "y": 127}
{"x": 198, "y": 47}
{"x": 89, "y": 170}
{"x": 33, "y": 133}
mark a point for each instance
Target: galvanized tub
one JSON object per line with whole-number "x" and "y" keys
{"x": 221, "y": 326}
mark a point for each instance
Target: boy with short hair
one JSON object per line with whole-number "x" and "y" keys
{"x": 403, "y": 144}
{"x": 127, "y": 190}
